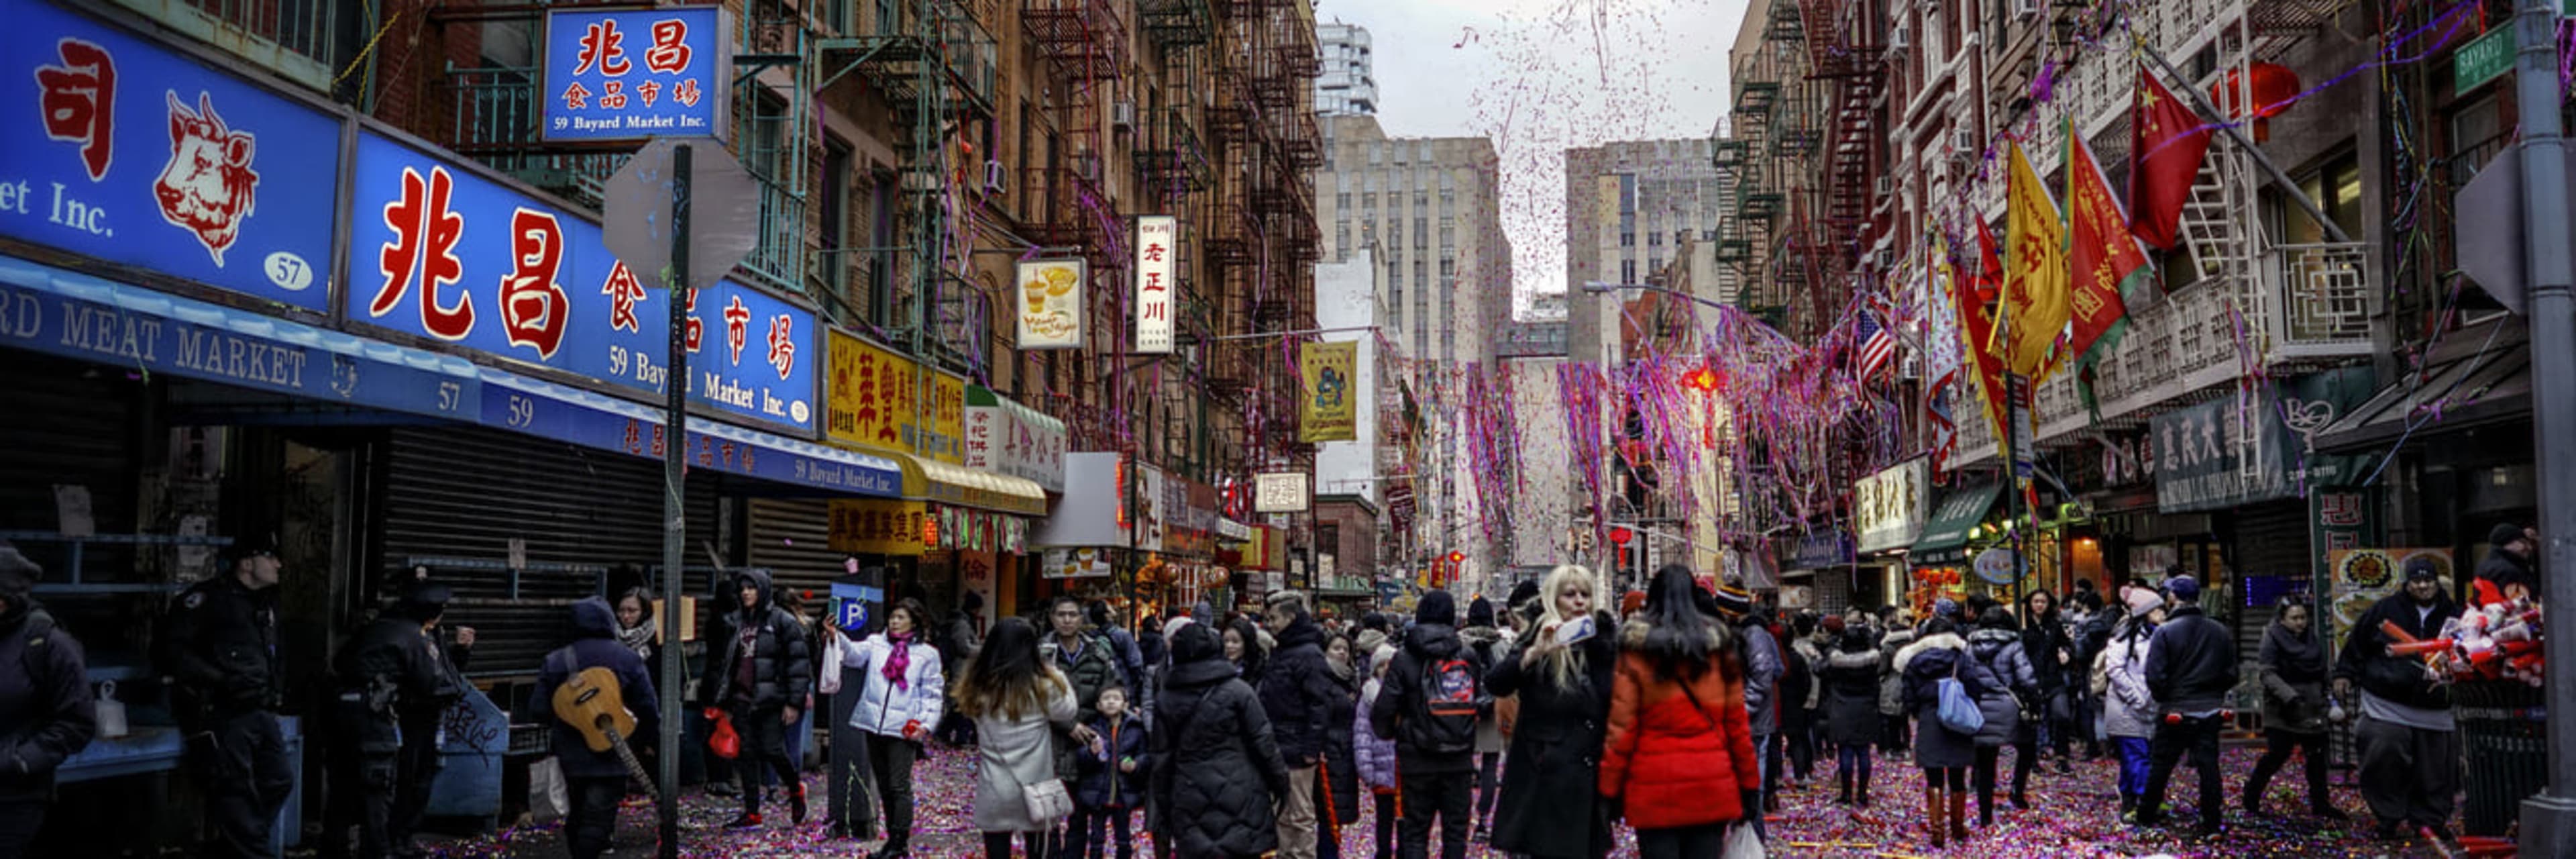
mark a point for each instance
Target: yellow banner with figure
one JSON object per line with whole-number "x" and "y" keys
{"x": 2036, "y": 300}
{"x": 1327, "y": 409}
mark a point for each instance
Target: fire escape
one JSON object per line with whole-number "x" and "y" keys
{"x": 1846, "y": 71}
{"x": 1262, "y": 232}
{"x": 935, "y": 66}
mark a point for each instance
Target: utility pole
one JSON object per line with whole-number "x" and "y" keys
{"x": 675, "y": 503}
{"x": 2549, "y": 819}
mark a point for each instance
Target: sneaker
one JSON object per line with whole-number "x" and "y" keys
{"x": 749, "y": 820}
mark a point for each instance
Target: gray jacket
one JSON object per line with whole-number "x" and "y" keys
{"x": 2128, "y": 709}
{"x": 1891, "y": 681}
{"x": 1762, "y": 668}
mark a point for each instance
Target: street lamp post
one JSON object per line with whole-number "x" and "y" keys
{"x": 2549, "y": 819}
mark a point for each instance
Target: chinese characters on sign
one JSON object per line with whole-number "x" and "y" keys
{"x": 1005, "y": 437}
{"x": 1049, "y": 303}
{"x": 1279, "y": 492}
{"x": 447, "y": 254}
{"x": 880, "y": 399}
{"x": 1887, "y": 507}
{"x": 877, "y": 527}
{"x": 220, "y": 181}
{"x": 1157, "y": 241}
{"x": 613, "y": 75}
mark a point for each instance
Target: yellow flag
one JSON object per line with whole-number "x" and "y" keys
{"x": 2036, "y": 301}
{"x": 1327, "y": 407}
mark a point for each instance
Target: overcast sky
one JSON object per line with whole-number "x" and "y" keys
{"x": 1541, "y": 76}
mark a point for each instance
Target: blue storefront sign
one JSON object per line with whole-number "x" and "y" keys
{"x": 1819, "y": 550}
{"x": 449, "y": 255}
{"x": 616, "y": 75}
{"x": 132, "y": 152}
{"x": 600, "y": 421}
{"x": 79, "y": 316}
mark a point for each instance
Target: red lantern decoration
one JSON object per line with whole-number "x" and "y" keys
{"x": 2274, "y": 85}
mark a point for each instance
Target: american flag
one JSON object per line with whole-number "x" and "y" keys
{"x": 1877, "y": 342}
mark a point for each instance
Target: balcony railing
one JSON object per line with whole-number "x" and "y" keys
{"x": 304, "y": 40}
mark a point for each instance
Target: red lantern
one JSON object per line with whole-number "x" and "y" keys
{"x": 2273, "y": 88}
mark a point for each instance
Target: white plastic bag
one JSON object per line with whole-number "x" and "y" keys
{"x": 1744, "y": 842}
{"x": 549, "y": 798}
{"x": 110, "y": 712}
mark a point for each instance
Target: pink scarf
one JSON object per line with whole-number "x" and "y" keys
{"x": 900, "y": 663}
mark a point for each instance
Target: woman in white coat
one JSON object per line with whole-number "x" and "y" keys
{"x": 901, "y": 692}
{"x": 1018, "y": 702}
{"x": 2128, "y": 709}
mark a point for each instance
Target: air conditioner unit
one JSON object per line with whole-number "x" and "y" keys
{"x": 1123, "y": 114}
{"x": 2025, "y": 9}
{"x": 1900, "y": 38}
{"x": 995, "y": 178}
{"x": 1884, "y": 188}
{"x": 1963, "y": 143}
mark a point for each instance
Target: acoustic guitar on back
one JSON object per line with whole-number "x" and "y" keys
{"x": 591, "y": 702}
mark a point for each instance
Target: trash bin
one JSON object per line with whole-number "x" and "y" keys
{"x": 2503, "y": 729}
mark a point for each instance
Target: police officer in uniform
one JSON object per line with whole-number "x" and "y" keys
{"x": 219, "y": 655}
{"x": 396, "y": 680}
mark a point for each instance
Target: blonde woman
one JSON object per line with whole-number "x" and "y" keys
{"x": 1018, "y": 703}
{"x": 1549, "y": 807}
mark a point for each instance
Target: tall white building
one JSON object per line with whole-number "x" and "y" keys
{"x": 1429, "y": 212}
{"x": 1347, "y": 87}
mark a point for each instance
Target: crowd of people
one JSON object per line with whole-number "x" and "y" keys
{"x": 1544, "y": 726}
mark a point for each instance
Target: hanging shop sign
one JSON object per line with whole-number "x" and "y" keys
{"x": 1888, "y": 507}
{"x": 1005, "y": 437}
{"x": 875, "y": 397}
{"x": 881, "y": 527}
{"x": 1327, "y": 408}
{"x": 1082, "y": 563}
{"x": 2238, "y": 450}
{"x": 1157, "y": 252}
{"x": 1817, "y": 550}
{"x": 626, "y": 75}
{"x": 1281, "y": 492}
{"x": 969, "y": 529}
{"x": 1050, "y": 302}
{"x": 222, "y": 181}
{"x": 1151, "y": 514}
{"x": 1995, "y": 566}
{"x": 458, "y": 258}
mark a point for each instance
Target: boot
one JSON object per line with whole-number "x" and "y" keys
{"x": 796, "y": 804}
{"x": 1935, "y": 811}
{"x": 1959, "y": 817}
{"x": 1862, "y": 795}
{"x": 1845, "y": 780}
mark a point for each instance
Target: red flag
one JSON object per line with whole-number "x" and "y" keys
{"x": 1974, "y": 296}
{"x": 2166, "y": 142}
{"x": 2100, "y": 251}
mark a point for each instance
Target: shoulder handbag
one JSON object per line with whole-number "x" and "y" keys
{"x": 1958, "y": 709}
{"x": 1048, "y": 801}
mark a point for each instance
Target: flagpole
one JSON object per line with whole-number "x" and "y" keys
{"x": 2201, "y": 106}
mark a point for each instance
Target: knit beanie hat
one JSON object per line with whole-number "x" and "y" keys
{"x": 2142, "y": 600}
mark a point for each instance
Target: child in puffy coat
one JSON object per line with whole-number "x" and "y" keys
{"x": 1112, "y": 774}
{"x": 1376, "y": 755}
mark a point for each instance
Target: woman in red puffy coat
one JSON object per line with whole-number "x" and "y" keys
{"x": 1679, "y": 758}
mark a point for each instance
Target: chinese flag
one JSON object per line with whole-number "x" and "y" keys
{"x": 2035, "y": 301}
{"x": 1977, "y": 326}
{"x": 2166, "y": 142}
{"x": 2106, "y": 262}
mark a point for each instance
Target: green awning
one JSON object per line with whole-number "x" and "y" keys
{"x": 1961, "y": 509}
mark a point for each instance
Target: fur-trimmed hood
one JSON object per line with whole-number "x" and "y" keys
{"x": 1946, "y": 641}
{"x": 1632, "y": 635}
{"x": 1848, "y": 659}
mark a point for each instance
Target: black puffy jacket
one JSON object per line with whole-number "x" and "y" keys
{"x": 46, "y": 714}
{"x": 2400, "y": 679}
{"x": 1297, "y": 692}
{"x": 1213, "y": 733}
{"x": 219, "y": 650}
{"x": 2191, "y": 662}
{"x": 782, "y": 664}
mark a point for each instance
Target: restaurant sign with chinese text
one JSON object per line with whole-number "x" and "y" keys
{"x": 1157, "y": 249}
{"x": 628, "y": 74}
{"x": 882, "y": 527}
{"x": 1888, "y": 507}
{"x": 877, "y": 398}
{"x": 221, "y": 181}
{"x": 2239, "y": 450}
{"x": 446, "y": 254}
{"x": 1049, "y": 302}
{"x": 1005, "y": 437}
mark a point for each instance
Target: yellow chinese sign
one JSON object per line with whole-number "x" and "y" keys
{"x": 880, "y": 399}
{"x": 878, "y": 527}
{"x": 1327, "y": 407}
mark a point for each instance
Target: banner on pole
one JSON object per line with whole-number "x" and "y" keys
{"x": 1327, "y": 410}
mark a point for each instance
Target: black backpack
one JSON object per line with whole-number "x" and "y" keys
{"x": 1453, "y": 700}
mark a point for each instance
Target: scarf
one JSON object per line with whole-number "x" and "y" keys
{"x": 899, "y": 664}
{"x": 638, "y": 638}
{"x": 2299, "y": 658}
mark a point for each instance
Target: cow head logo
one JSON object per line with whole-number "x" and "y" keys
{"x": 206, "y": 188}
